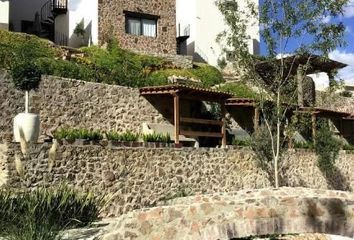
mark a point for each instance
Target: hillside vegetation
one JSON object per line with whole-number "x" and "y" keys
{"x": 112, "y": 65}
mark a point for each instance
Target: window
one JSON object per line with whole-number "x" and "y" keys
{"x": 141, "y": 24}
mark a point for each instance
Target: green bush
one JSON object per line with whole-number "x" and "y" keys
{"x": 16, "y": 48}
{"x": 121, "y": 67}
{"x": 303, "y": 145}
{"x": 41, "y": 214}
{"x": 239, "y": 90}
{"x": 209, "y": 75}
{"x": 157, "y": 137}
{"x": 327, "y": 146}
{"x": 67, "y": 69}
{"x": 241, "y": 143}
{"x": 123, "y": 137}
{"x": 26, "y": 76}
{"x": 73, "y": 134}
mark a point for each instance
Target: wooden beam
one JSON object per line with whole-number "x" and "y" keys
{"x": 201, "y": 121}
{"x": 201, "y": 134}
{"x": 256, "y": 118}
{"x": 314, "y": 126}
{"x": 176, "y": 110}
{"x": 223, "y": 128}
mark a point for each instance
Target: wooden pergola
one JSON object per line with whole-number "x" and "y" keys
{"x": 178, "y": 92}
{"x": 323, "y": 113}
{"x": 248, "y": 103}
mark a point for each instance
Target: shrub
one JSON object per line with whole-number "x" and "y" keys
{"x": 303, "y": 145}
{"x": 16, "y": 48}
{"x": 157, "y": 137}
{"x": 26, "y": 76}
{"x": 41, "y": 214}
{"x": 327, "y": 146}
{"x": 347, "y": 94}
{"x": 67, "y": 69}
{"x": 73, "y": 134}
{"x": 160, "y": 77}
{"x": 123, "y": 137}
{"x": 209, "y": 75}
{"x": 242, "y": 143}
{"x": 239, "y": 90}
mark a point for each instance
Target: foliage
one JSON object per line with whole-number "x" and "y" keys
{"x": 240, "y": 90}
{"x": 122, "y": 137}
{"x": 119, "y": 66}
{"x": 326, "y": 146}
{"x": 79, "y": 29}
{"x": 282, "y": 22}
{"x": 304, "y": 145}
{"x": 242, "y": 143}
{"x": 41, "y": 214}
{"x": 26, "y": 76}
{"x": 16, "y": 48}
{"x": 348, "y": 147}
{"x": 347, "y": 94}
{"x": 209, "y": 75}
{"x": 157, "y": 137}
{"x": 67, "y": 69}
{"x": 73, "y": 134}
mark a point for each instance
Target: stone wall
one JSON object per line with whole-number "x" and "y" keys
{"x": 141, "y": 177}
{"x": 64, "y": 102}
{"x": 241, "y": 214}
{"x": 111, "y": 23}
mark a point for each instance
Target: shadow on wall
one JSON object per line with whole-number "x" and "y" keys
{"x": 82, "y": 35}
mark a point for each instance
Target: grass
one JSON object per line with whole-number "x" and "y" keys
{"x": 43, "y": 213}
{"x": 122, "y": 137}
{"x": 156, "y": 137}
{"x": 112, "y": 65}
{"x": 73, "y": 134}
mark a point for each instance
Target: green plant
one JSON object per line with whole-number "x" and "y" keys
{"x": 26, "y": 76}
{"x": 73, "y": 134}
{"x": 67, "y": 69}
{"x": 123, "y": 137}
{"x": 240, "y": 90}
{"x": 326, "y": 146}
{"x": 42, "y": 214}
{"x": 17, "y": 48}
{"x": 347, "y": 94}
{"x": 157, "y": 137}
{"x": 79, "y": 29}
{"x": 242, "y": 143}
{"x": 348, "y": 147}
{"x": 209, "y": 75}
{"x": 304, "y": 145}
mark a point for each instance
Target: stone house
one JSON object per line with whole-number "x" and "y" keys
{"x": 184, "y": 27}
{"x": 143, "y": 26}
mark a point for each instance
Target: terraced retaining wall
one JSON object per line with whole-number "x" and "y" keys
{"x": 71, "y": 103}
{"x": 135, "y": 178}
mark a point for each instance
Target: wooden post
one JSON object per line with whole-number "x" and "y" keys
{"x": 176, "y": 110}
{"x": 223, "y": 128}
{"x": 314, "y": 126}
{"x": 256, "y": 118}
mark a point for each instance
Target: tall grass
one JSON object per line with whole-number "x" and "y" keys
{"x": 43, "y": 213}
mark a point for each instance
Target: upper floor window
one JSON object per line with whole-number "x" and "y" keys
{"x": 140, "y": 24}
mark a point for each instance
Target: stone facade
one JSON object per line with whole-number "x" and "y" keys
{"x": 71, "y": 103}
{"x": 134, "y": 178}
{"x": 242, "y": 214}
{"x": 112, "y": 24}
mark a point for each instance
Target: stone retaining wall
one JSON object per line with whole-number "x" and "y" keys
{"x": 141, "y": 177}
{"x": 242, "y": 214}
{"x": 72, "y": 103}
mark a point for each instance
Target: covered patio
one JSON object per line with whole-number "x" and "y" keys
{"x": 184, "y": 121}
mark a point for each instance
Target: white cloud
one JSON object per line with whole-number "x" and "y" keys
{"x": 326, "y": 19}
{"x": 347, "y": 74}
{"x": 349, "y": 9}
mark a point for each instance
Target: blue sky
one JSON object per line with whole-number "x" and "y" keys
{"x": 345, "y": 55}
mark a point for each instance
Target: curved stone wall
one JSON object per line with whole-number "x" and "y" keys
{"x": 241, "y": 214}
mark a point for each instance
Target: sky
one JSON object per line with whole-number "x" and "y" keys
{"x": 345, "y": 54}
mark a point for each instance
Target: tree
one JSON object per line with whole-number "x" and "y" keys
{"x": 287, "y": 27}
